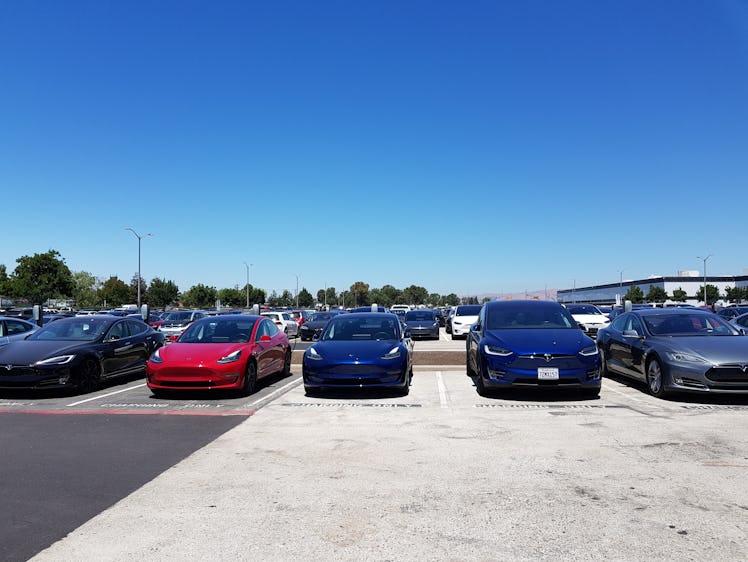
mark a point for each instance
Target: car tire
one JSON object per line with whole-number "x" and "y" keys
{"x": 250, "y": 379}
{"x": 286, "y": 371}
{"x": 89, "y": 377}
{"x": 603, "y": 362}
{"x": 655, "y": 378}
{"x": 468, "y": 367}
{"x": 311, "y": 391}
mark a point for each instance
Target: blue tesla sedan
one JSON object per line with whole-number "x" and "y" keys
{"x": 676, "y": 350}
{"x": 359, "y": 350}
{"x": 531, "y": 344}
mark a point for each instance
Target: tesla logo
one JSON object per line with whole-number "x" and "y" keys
{"x": 9, "y": 367}
{"x": 743, "y": 368}
{"x": 548, "y": 357}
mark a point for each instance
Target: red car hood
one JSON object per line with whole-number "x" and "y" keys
{"x": 195, "y": 353}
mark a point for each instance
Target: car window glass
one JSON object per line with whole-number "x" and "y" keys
{"x": 271, "y": 329}
{"x": 136, "y": 327}
{"x": 620, "y": 323}
{"x": 16, "y": 327}
{"x": 118, "y": 330}
{"x": 636, "y": 326}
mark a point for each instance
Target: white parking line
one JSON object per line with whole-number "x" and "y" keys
{"x": 106, "y": 395}
{"x": 611, "y": 386}
{"x": 268, "y": 396}
{"x": 443, "y": 400}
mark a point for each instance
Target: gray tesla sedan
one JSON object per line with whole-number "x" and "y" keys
{"x": 683, "y": 349}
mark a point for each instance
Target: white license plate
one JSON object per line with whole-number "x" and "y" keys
{"x": 547, "y": 373}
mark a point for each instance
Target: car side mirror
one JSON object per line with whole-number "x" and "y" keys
{"x": 475, "y": 327}
{"x": 407, "y": 333}
{"x": 631, "y": 334}
{"x": 315, "y": 337}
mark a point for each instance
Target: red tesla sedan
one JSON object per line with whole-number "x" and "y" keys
{"x": 232, "y": 351}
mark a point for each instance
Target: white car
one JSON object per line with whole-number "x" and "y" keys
{"x": 284, "y": 322}
{"x": 589, "y": 317}
{"x": 464, "y": 316}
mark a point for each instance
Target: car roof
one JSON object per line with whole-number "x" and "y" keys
{"x": 673, "y": 310}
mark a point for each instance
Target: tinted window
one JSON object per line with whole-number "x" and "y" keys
{"x": 16, "y": 327}
{"x": 82, "y": 328}
{"x": 468, "y": 310}
{"x": 582, "y": 309}
{"x": 367, "y": 328}
{"x": 687, "y": 325}
{"x": 521, "y": 317}
{"x": 419, "y": 315}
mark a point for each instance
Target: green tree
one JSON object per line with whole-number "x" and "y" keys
{"x": 114, "y": 292}
{"x": 200, "y": 296}
{"x": 390, "y": 295}
{"x": 736, "y": 294}
{"x": 635, "y": 295}
{"x": 451, "y": 300}
{"x": 162, "y": 293}
{"x": 415, "y": 295}
{"x": 4, "y": 284}
{"x": 86, "y": 292}
{"x": 305, "y": 298}
{"x": 656, "y": 294}
{"x": 40, "y": 277}
{"x": 435, "y": 299}
{"x": 712, "y": 294}
{"x": 134, "y": 290}
{"x": 485, "y": 300}
{"x": 360, "y": 293}
{"x": 679, "y": 295}
{"x": 232, "y": 297}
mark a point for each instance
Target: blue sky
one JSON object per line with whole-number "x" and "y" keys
{"x": 468, "y": 147}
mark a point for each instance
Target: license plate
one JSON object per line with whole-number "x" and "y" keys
{"x": 548, "y": 373}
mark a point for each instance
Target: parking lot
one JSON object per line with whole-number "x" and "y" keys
{"x": 441, "y": 474}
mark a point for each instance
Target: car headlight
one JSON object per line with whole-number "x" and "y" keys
{"x": 312, "y": 354}
{"x": 156, "y": 357}
{"x": 231, "y": 357}
{"x": 684, "y": 357}
{"x": 435, "y": 324}
{"x": 393, "y": 353}
{"x": 589, "y": 351}
{"x": 59, "y": 360}
{"x": 496, "y": 350}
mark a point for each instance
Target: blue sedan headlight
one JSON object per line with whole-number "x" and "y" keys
{"x": 589, "y": 351}
{"x": 311, "y": 353}
{"x": 393, "y": 353}
{"x": 496, "y": 350}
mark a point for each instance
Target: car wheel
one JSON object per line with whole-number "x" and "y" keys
{"x": 311, "y": 391}
{"x": 89, "y": 376}
{"x": 603, "y": 362}
{"x": 655, "y": 379}
{"x": 250, "y": 379}
{"x": 287, "y": 364}
{"x": 470, "y": 371}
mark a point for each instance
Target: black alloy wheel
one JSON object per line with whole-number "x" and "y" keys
{"x": 250, "y": 379}
{"x": 89, "y": 376}
{"x": 603, "y": 362}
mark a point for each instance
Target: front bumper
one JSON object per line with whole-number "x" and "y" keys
{"x": 352, "y": 375}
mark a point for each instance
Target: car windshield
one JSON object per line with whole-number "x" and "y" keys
{"x": 213, "y": 330}
{"x": 82, "y": 328}
{"x": 177, "y": 316}
{"x": 582, "y": 309}
{"x": 367, "y": 328}
{"x": 419, "y": 315}
{"x": 323, "y": 316}
{"x": 468, "y": 310}
{"x": 697, "y": 324}
{"x": 535, "y": 318}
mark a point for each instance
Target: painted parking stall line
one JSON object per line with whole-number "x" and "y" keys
{"x": 99, "y": 397}
{"x": 443, "y": 400}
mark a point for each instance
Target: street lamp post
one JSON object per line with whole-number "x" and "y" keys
{"x": 247, "y": 266}
{"x": 139, "y": 237}
{"x": 704, "y": 260}
{"x": 297, "y": 290}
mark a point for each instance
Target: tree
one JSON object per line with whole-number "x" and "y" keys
{"x": 162, "y": 293}
{"x": 86, "y": 291}
{"x": 114, "y": 292}
{"x": 485, "y": 300}
{"x": 712, "y": 294}
{"x": 736, "y": 294}
{"x": 679, "y": 295}
{"x": 635, "y": 295}
{"x": 415, "y": 295}
{"x": 40, "y": 277}
{"x": 305, "y": 298}
{"x": 656, "y": 294}
{"x": 390, "y": 295}
{"x": 435, "y": 299}
{"x": 4, "y": 284}
{"x": 134, "y": 289}
{"x": 232, "y": 297}
{"x": 360, "y": 294}
{"x": 451, "y": 299}
{"x": 200, "y": 296}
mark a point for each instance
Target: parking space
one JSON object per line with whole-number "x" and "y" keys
{"x": 445, "y": 473}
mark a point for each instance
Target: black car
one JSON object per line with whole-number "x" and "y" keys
{"x": 78, "y": 353}
{"x": 314, "y": 327}
{"x": 422, "y": 323}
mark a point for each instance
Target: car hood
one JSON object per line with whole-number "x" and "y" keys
{"x": 717, "y": 349}
{"x": 26, "y": 352}
{"x": 564, "y": 341}
{"x": 591, "y": 318}
{"x": 190, "y": 353}
{"x": 465, "y": 319}
{"x": 347, "y": 351}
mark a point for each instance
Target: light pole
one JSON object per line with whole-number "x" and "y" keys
{"x": 704, "y": 260}
{"x": 139, "y": 237}
{"x": 297, "y": 290}
{"x": 247, "y": 266}
{"x": 620, "y": 282}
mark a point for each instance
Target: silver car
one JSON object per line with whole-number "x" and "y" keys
{"x": 676, "y": 349}
{"x": 12, "y": 329}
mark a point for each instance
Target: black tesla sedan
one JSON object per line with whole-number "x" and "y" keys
{"x": 78, "y": 353}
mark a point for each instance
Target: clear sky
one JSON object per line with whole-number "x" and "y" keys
{"x": 468, "y": 147}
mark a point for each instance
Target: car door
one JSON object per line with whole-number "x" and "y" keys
{"x": 263, "y": 346}
{"x": 631, "y": 348}
{"x": 118, "y": 350}
{"x": 473, "y": 343}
